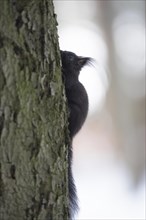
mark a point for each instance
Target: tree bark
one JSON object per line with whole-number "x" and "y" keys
{"x": 33, "y": 118}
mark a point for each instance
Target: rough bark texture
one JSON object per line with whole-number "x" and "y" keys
{"x": 33, "y": 150}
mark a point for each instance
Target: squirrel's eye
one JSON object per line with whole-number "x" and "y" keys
{"x": 71, "y": 58}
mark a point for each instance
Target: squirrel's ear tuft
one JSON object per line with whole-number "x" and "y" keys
{"x": 82, "y": 61}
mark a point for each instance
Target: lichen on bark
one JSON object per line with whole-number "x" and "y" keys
{"x": 33, "y": 119}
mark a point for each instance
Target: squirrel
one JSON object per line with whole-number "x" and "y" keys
{"x": 77, "y": 100}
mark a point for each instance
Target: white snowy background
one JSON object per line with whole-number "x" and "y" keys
{"x": 109, "y": 151}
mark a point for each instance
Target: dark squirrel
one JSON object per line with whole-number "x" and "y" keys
{"x": 77, "y": 100}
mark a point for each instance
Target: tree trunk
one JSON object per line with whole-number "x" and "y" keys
{"x": 33, "y": 119}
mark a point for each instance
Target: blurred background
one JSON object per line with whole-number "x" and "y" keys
{"x": 109, "y": 151}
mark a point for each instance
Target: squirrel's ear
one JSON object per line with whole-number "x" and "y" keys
{"x": 82, "y": 61}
